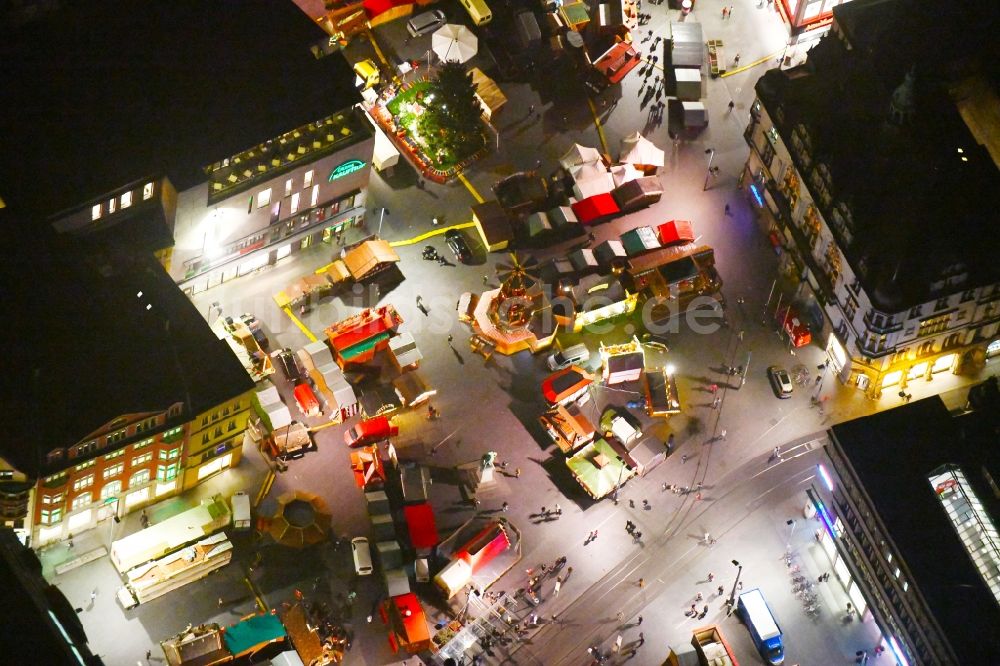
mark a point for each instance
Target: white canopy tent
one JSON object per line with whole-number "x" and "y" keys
{"x": 637, "y": 149}
{"x": 578, "y": 155}
{"x": 591, "y": 179}
{"x": 454, "y": 43}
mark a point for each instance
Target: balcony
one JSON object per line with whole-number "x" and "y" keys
{"x": 888, "y": 327}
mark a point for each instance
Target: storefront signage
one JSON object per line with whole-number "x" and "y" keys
{"x": 346, "y": 168}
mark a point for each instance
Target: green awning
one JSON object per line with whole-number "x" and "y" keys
{"x": 253, "y": 633}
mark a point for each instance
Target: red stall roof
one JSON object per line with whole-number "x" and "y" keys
{"x": 675, "y": 232}
{"x": 420, "y": 521}
{"x": 565, "y": 383}
{"x": 597, "y": 206}
{"x": 375, "y": 7}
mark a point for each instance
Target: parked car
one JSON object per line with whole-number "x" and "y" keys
{"x": 421, "y": 24}
{"x": 456, "y": 241}
{"x": 288, "y": 363}
{"x": 780, "y": 381}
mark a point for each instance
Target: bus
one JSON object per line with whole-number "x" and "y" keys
{"x": 478, "y": 10}
{"x": 763, "y": 627}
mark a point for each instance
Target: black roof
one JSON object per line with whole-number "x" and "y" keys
{"x": 893, "y": 453}
{"x": 922, "y": 193}
{"x": 102, "y": 93}
{"x": 30, "y": 635}
{"x": 80, "y": 347}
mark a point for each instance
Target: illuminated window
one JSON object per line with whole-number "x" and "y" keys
{"x": 83, "y": 482}
{"x": 139, "y": 478}
{"x": 51, "y": 517}
{"x": 114, "y": 470}
{"x": 144, "y": 443}
{"x": 295, "y": 204}
{"x": 82, "y": 501}
{"x": 147, "y": 191}
{"x": 117, "y": 454}
{"x": 288, "y": 187}
{"x": 264, "y": 198}
{"x": 143, "y": 459}
{"x": 315, "y": 196}
{"x": 171, "y": 454}
{"x": 166, "y": 472}
{"x": 110, "y": 489}
{"x": 307, "y": 180}
{"x": 95, "y": 211}
{"x": 126, "y": 200}
{"x": 112, "y": 205}
{"x": 83, "y": 466}
{"x": 53, "y": 499}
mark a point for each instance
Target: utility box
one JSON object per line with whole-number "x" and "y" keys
{"x": 396, "y": 582}
{"x": 688, "y": 83}
{"x": 383, "y": 527}
{"x": 695, "y": 115}
{"x": 377, "y": 501}
{"x": 389, "y": 554}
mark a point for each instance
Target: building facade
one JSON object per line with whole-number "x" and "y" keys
{"x": 883, "y": 325}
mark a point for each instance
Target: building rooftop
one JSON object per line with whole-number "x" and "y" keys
{"x": 110, "y": 92}
{"x": 915, "y": 189}
{"x": 893, "y": 454}
{"x": 84, "y": 349}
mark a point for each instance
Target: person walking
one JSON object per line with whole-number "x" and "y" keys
{"x": 642, "y": 636}
{"x": 727, "y": 209}
{"x": 642, "y": 584}
{"x": 504, "y": 507}
{"x": 711, "y": 576}
{"x": 736, "y": 60}
{"x": 721, "y": 590}
{"x": 684, "y": 458}
{"x": 732, "y": 104}
{"x": 638, "y": 621}
{"x": 558, "y": 510}
{"x": 725, "y": 10}
{"x": 620, "y": 616}
{"x": 93, "y": 595}
{"x": 517, "y": 472}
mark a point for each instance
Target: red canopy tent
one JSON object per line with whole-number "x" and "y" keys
{"x": 421, "y": 525}
{"x": 595, "y": 207}
{"x": 675, "y": 232}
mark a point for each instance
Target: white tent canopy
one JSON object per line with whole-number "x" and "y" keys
{"x": 452, "y": 42}
{"x": 637, "y": 149}
{"x": 591, "y": 179}
{"x": 578, "y": 155}
{"x": 623, "y": 173}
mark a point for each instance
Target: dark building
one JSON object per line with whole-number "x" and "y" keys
{"x": 221, "y": 136}
{"x": 117, "y": 393}
{"x": 39, "y": 624}
{"x": 912, "y": 526}
{"x": 874, "y": 167}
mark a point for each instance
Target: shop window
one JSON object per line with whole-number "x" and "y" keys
{"x": 95, "y": 211}
{"x": 147, "y": 191}
{"x": 307, "y": 179}
{"x": 126, "y": 200}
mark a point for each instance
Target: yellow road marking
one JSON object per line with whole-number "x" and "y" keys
{"x": 472, "y": 190}
{"x": 256, "y": 595}
{"x": 302, "y": 327}
{"x": 730, "y": 72}
{"x": 429, "y": 234}
{"x": 600, "y": 130}
{"x": 265, "y": 488}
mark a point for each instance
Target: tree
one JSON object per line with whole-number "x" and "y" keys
{"x": 453, "y": 115}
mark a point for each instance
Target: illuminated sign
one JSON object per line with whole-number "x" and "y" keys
{"x": 348, "y": 167}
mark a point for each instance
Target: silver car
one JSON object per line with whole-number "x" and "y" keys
{"x": 421, "y": 24}
{"x": 780, "y": 381}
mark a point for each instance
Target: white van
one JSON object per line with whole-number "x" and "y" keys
{"x": 478, "y": 10}
{"x": 362, "y": 556}
{"x": 241, "y": 511}
{"x": 569, "y": 356}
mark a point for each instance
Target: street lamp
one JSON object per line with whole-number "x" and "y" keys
{"x": 791, "y": 524}
{"x": 711, "y": 156}
{"x": 381, "y": 216}
{"x": 731, "y": 601}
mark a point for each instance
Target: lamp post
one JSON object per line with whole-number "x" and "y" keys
{"x": 618, "y": 484}
{"x": 708, "y": 174}
{"x": 731, "y": 601}
{"x": 115, "y": 518}
{"x": 381, "y": 216}
{"x": 791, "y": 524}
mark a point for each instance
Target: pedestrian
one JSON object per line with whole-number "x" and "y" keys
{"x": 531, "y": 109}
{"x": 727, "y": 209}
{"x": 722, "y": 435}
{"x": 731, "y": 105}
{"x": 684, "y": 458}
{"x": 558, "y": 510}
{"x": 543, "y": 511}
{"x": 663, "y": 487}
{"x": 93, "y": 595}
{"x": 486, "y": 279}
{"x": 645, "y": 504}
{"x": 736, "y": 60}
{"x": 557, "y": 587}
{"x": 642, "y": 637}
{"x": 642, "y": 583}
{"x": 638, "y": 621}
{"x": 721, "y": 590}
{"x": 620, "y": 616}
{"x": 714, "y": 388}
{"x": 631, "y": 504}
{"x": 694, "y": 609}
{"x": 149, "y": 655}
{"x": 504, "y": 506}
{"x": 70, "y": 540}
{"x": 711, "y": 576}
{"x": 517, "y": 472}
{"x": 670, "y": 442}
{"x": 638, "y": 536}
{"x": 739, "y": 586}
{"x": 698, "y": 597}
{"x": 724, "y": 10}
{"x": 450, "y": 337}
{"x": 705, "y": 612}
